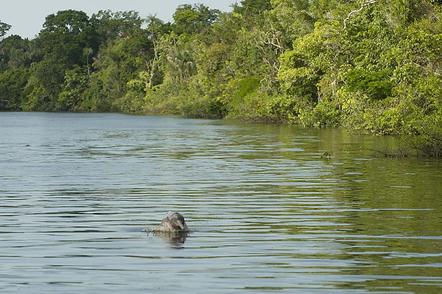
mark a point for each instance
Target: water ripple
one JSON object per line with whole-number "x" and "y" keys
{"x": 266, "y": 212}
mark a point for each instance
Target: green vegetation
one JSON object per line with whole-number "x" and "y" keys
{"x": 372, "y": 66}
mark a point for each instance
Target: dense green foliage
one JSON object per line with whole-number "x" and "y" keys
{"x": 374, "y": 66}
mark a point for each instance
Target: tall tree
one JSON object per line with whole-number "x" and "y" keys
{"x": 110, "y": 26}
{"x": 65, "y": 35}
{"x": 193, "y": 19}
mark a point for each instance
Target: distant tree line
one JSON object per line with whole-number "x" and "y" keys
{"x": 369, "y": 65}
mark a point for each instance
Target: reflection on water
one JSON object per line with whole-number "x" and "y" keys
{"x": 267, "y": 210}
{"x": 174, "y": 239}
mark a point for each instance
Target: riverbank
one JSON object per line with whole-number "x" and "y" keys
{"x": 421, "y": 135}
{"x": 372, "y": 67}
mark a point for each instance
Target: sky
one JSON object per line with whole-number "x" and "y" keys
{"x": 27, "y": 16}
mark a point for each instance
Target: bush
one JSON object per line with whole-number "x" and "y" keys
{"x": 376, "y": 84}
{"x": 428, "y": 140}
{"x": 324, "y": 114}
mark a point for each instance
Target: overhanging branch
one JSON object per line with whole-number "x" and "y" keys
{"x": 363, "y": 5}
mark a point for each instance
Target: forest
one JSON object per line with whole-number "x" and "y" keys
{"x": 366, "y": 65}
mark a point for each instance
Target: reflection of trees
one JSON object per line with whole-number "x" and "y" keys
{"x": 390, "y": 208}
{"x": 175, "y": 239}
{"x": 366, "y": 215}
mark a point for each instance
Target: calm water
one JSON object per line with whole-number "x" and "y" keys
{"x": 268, "y": 214}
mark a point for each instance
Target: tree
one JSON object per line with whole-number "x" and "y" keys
{"x": 44, "y": 85}
{"x": 4, "y": 28}
{"x": 15, "y": 52}
{"x": 190, "y": 19}
{"x": 65, "y": 35}
{"x": 71, "y": 95}
{"x": 118, "y": 62}
{"x": 180, "y": 62}
{"x": 156, "y": 29}
{"x": 252, "y": 8}
{"x": 12, "y": 84}
{"x": 110, "y": 26}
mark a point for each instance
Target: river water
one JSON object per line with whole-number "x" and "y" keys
{"x": 267, "y": 212}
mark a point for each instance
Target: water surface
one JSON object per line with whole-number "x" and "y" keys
{"x": 268, "y": 213}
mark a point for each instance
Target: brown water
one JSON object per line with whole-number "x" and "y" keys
{"x": 267, "y": 213}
